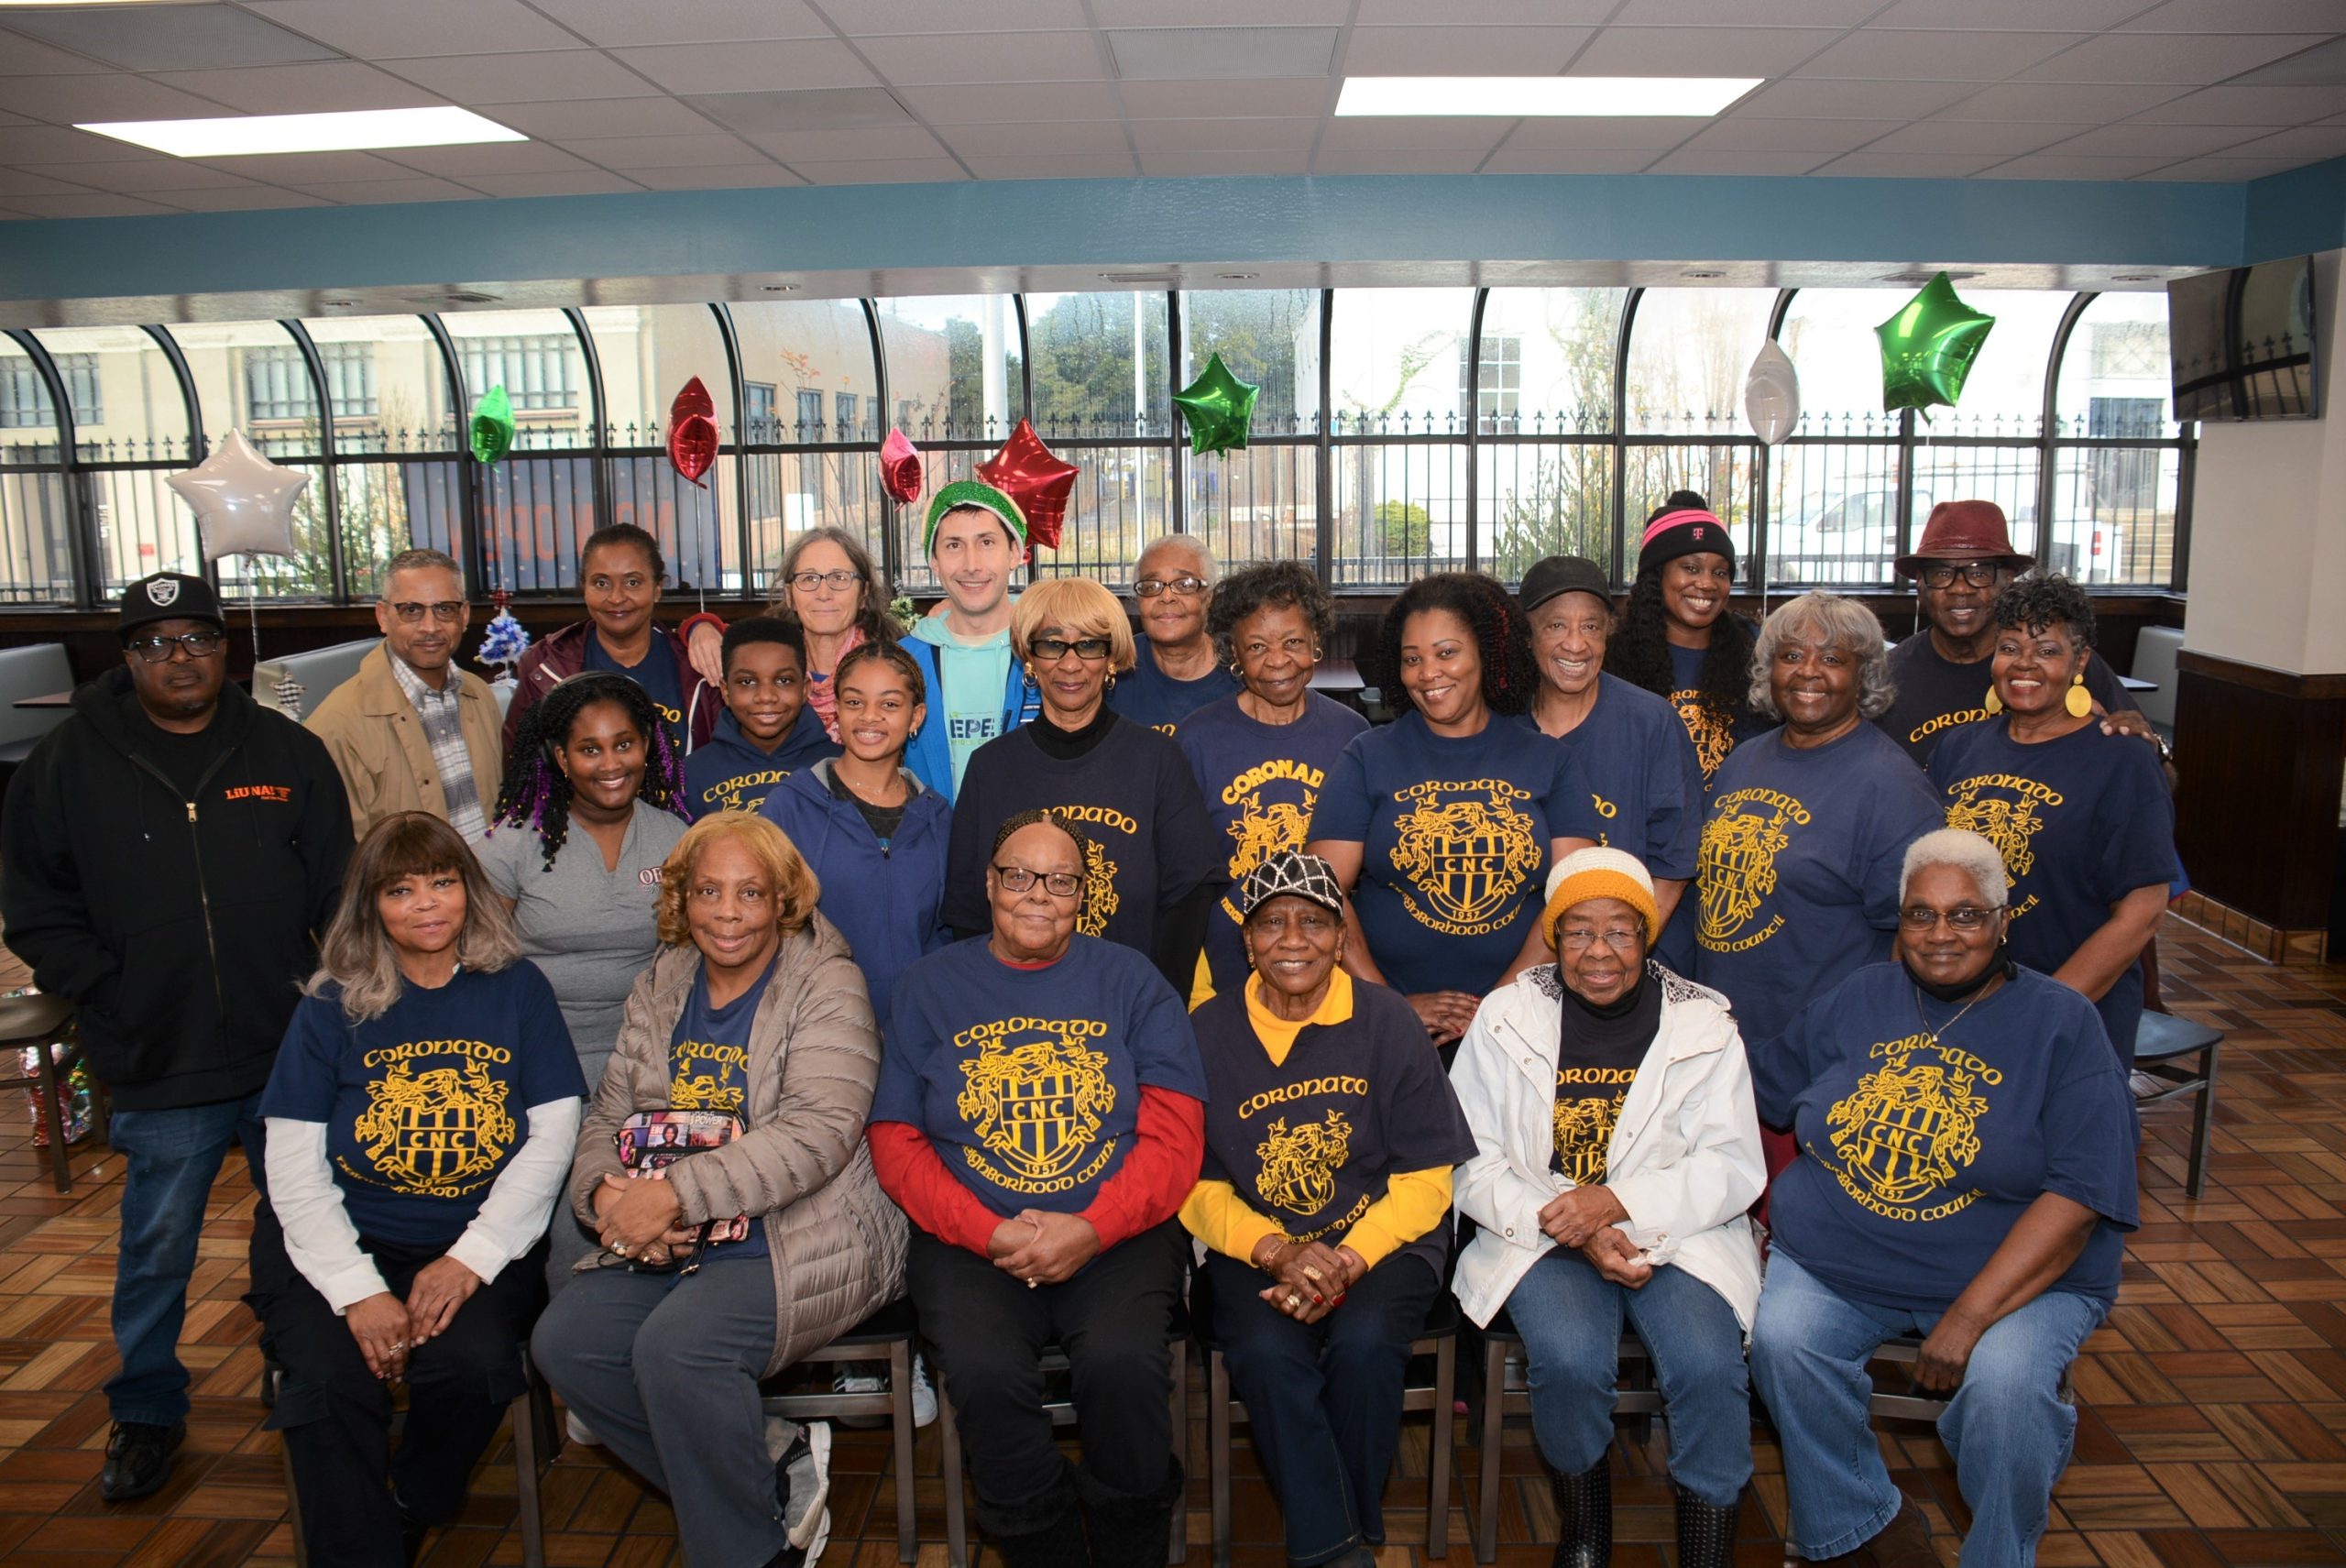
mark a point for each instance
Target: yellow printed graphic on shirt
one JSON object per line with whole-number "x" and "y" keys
{"x": 441, "y": 1131}
{"x": 1910, "y": 1128}
{"x": 1465, "y": 853}
{"x": 1712, "y": 731}
{"x": 709, "y": 1077}
{"x": 1035, "y": 1096}
{"x": 2003, "y": 809}
{"x": 1263, "y": 831}
{"x": 1100, "y": 899}
{"x": 1736, "y": 867}
{"x": 1585, "y": 1122}
{"x": 727, "y": 796}
{"x": 1299, "y": 1165}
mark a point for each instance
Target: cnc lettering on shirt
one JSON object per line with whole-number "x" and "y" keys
{"x": 2004, "y": 809}
{"x": 1035, "y": 1096}
{"x": 1741, "y": 840}
{"x": 1910, "y": 1129}
{"x": 1466, "y": 853}
{"x": 438, "y": 1130}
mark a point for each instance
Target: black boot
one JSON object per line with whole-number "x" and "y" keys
{"x": 1045, "y": 1532}
{"x": 1585, "y": 1512}
{"x": 1705, "y": 1530}
{"x": 1127, "y": 1529}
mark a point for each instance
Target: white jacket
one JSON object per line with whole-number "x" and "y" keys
{"x": 1684, "y": 1159}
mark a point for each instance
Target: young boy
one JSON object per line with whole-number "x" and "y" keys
{"x": 766, "y": 730}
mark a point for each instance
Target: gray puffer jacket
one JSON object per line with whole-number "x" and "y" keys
{"x": 837, "y": 1243}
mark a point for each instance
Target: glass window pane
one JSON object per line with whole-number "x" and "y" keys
{"x": 1833, "y": 486}
{"x": 540, "y": 501}
{"x": 398, "y": 480}
{"x": 534, "y": 356}
{"x": 2114, "y": 494}
{"x": 1100, "y": 366}
{"x": 1402, "y": 392}
{"x": 1262, "y": 503}
{"x": 1545, "y": 386}
{"x": 646, "y": 354}
{"x": 36, "y": 526}
{"x": 953, "y": 366}
{"x": 1689, "y": 352}
{"x": 125, "y": 399}
{"x": 798, "y": 356}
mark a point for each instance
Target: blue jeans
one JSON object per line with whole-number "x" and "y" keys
{"x": 169, "y": 1158}
{"x": 2007, "y": 1426}
{"x": 1569, "y": 1320}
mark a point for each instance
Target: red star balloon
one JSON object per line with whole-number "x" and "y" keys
{"x": 1025, "y": 471}
{"x": 692, "y": 431}
{"x": 900, "y": 468}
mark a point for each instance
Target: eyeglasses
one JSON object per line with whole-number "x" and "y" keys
{"x": 1620, "y": 941}
{"x": 1964, "y": 917}
{"x": 810, "y": 581}
{"x": 1059, "y": 885}
{"x": 158, "y": 648}
{"x": 1187, "y": 585}
{"x": 412, "y": 614}
{"x": 1979, "y": 573}
{"x": 1089, "y": 649}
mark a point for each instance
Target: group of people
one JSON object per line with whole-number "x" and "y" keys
{"x": 753, "y": 976}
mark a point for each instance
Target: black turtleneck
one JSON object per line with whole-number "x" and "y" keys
{"x": 1999, "y": 967}
{"x": 1596, "y": 1062}
{"x": 1067, "y": 745}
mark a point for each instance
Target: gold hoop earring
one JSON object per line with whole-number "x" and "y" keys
{"x": 1112, "y": 680}
{"x": 2077, "y": 699}
{"x": 1030, "y": 674}
{"x": 1994, "y": 705}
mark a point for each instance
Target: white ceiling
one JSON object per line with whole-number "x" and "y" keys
{"x": 690, "y": 94}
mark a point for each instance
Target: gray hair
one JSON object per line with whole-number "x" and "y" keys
{"x": 1965, "y": 852}
{"x": 1835, "y": 623}
{"x": 1208, "y": 567}
{"x": 417, "y": 560}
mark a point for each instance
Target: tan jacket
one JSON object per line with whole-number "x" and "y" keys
{"x": 837, "y": 1243}
{"x": 377, "y": 740}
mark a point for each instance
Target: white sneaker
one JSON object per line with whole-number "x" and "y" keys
{"x": 802, "y": 1455}
{"x": 860, "y": 1377}
{"x": 578, "y": 1432}
{"x": 924, "y": 1397}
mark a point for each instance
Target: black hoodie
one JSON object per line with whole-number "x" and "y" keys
{"x": 180, "y": 927}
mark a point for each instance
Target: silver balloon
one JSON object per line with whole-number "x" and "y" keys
{"x": 244, "y": 503}
{"x": 1771, "y": 395}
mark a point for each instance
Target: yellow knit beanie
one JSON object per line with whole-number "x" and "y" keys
{"x": 1600, "y": 873}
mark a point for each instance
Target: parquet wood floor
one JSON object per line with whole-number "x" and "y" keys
{"x": 2212, "y": 1406}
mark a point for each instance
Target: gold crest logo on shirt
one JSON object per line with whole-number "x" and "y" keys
{"x": 1263, "y": 831}
{"x": 1585, "y": 1136}
{"x": 1712, "y": 731}
{"x": 2002, "y": 809}
{"x": 1468, "y": 858}
{"x": 1738, "y": 865}
{"x": 691, "y": 1091}
{"x": 1909, "y": 1128}
{"x": 438, "y": 1132}
{"x": 1299, "y": 1163}
{"x": 1036, "y": 1107}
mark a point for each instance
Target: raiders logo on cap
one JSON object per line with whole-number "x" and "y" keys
{"x": 163, "y": 592}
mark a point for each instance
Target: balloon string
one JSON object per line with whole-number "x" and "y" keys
{"x": 701, "y": 532}
{"x": 252, "y": 606}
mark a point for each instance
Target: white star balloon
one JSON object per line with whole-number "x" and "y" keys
{"x": 244, "y": 503}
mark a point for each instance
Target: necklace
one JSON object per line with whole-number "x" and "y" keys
{"x": 1992, "y": 987}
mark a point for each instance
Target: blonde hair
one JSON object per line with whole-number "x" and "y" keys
{"x": 794, "y": 887}
{"x": 1078, "y": 607}
{"x": 357, "y": 954}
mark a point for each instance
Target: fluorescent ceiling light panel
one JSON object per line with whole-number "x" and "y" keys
{"x": 351, "y": 131}
{"x": 1518, "y": 98}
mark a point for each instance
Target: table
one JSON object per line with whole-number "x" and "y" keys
{"x": 48, "y": 699}
{"x": 2128, "y": 682}
{"x": 1336, "y": 677}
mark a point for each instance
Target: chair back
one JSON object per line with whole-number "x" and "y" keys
{"x": 2154, "y": 650}
{"x": 36, "y": 671}
{"x": 317, "y": 671}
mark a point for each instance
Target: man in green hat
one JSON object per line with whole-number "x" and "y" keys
{"x": 976, "y": 539}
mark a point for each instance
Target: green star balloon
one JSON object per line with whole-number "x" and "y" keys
{"x": 1217, "y": 407}
{"x": 1928, "y": 348}
{"x": 493, "y": 425}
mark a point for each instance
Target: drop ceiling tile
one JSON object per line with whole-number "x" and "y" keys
{"x": 302, "y": 169}
{"x": 2238, "y": 16}
{"x": 927, "y": 58}
{"x": 1040, "y": 137}
{"x": 597, "y": 118}
{"x": 1208, "y": 135}
{"x": 2142, "y": 140}
{"x": 2052, "y": 166}
{"x": 716, "y": 177}
{"x": 1791, "y": 136}
{"x": 631, "y": 153}
{"x": 1312, "y": 95}
{"x": 72, "y": 99}
{"x": 1937, "y": 55}
{"x": 1479, "y": 12}
{"x": 727, "y": 22}
{"x": 1460, "y": 52}
{"x": 1105, "y": 164}
{"x": 1233, "y": 161}
{"x": 791, "y": 66}
{"x": 316, "y": 88}
{"x": 1998, "y": 138}
{"x": 96, "y": 205}
{"x": 2057, "y": 103}
{"x": 29, "y": 57}
{"x": 809, "y": 109}
{"x": 1480, "y": 133}
{"x": 368, "y": 193}
{"x": 2009, "y": 15}
{"x": 2227, "y": 105}
{"x": 169, "y": 38}
{"x": 61, "y": 144}
{"x": 526, "y": 77}
{"x": 370, "y": 29}
{"x": 1215, "y": 13}
{"x": 862, "y": 16}
{"x": 1807, "y": 98}
{"x": 33, "y": 182}
{"x": 1735, "y": 160}
{"x": 138, "y": 176}
{"x": 1778, "y": 13}
{"x": 2167, "y": 56}
{"x": 488, "y": 157}
{"x": 976, "y": 104}
{"x": 1395, "y": 160}
{"x": 239, "y": 199}
{"x": 574, "y": 182}
{"x": 868, "y": 142}
{"x": 12, "y": 213}
{"x": 2226, "y": 171}
{"x": 1514, "y": 159}
{"x": 884, "y": 172}
{"x": 1701, "y": 51}
{"x": 2300, "y": 142}
{"x": 1630, "y": 133}
{"x": 1907, "y": 165}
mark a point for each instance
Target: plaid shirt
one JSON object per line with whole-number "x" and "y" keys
{"x": 445, "y": 730}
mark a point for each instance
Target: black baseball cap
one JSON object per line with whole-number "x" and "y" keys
{"x": 169, "y": 595}
{"x": 1556, "y": 574}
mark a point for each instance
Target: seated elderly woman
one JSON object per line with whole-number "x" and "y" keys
{"x": 1615, "y": 1153}
{"x": 755, "y": 1015}
{"x": 1967, "y": 1169}
{"x": 1329, "y": 1137}
{"x": 1032, "y": 1229}
{"x": 388, "y": 1251}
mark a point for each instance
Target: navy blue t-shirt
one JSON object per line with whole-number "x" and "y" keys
{"x": 1936, "y": 695}
{"x": 1147, "y": 695}
{"x": 1261, "y": 783}
{"x": 708, "y": 1068}
{"x": 1637, "y": 783}
{"x": 1923, "y": 1139}
{"x": 728, "y": 772}
{"x": 2081, "y": 821}
{"x": 657, "y": 675}
{"x": 424, "y": 1105}
{"x": 1714, "y": 734}
{"x": 1028, "y": 1081}
{"x": 1801, "y": 855}
{"x": 1457, "y": 833}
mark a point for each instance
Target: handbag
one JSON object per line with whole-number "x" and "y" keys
{"x": 649, "y": 1142}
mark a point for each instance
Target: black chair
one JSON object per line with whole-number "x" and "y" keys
{"x": 1062, "y": 1413}
{"x": 2160, "y": 1043}
{"x": 38, "y": 1020}
{"x": 1505, "y": 1394}
{"x": 886, "y": 1335}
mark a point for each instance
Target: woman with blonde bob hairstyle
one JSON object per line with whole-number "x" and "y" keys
{"x": 753, "y": 1009}
{"x": 1152, "y": 863}
{"x": 386, "y": 1252}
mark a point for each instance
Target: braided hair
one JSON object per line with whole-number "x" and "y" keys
{"x": 537, "y": 793}
{"x": 1084, "y": 851}
{"x": 1502, "y": 639}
